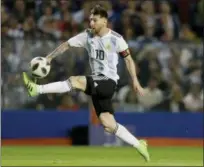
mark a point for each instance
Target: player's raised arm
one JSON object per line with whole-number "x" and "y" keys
{"x": 76, "y": 41}
{"x": 59, "y": 50}
{"x": 130, "y": 64}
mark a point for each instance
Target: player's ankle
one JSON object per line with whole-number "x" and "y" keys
{"x": 136, "y": 145}
{"x": 39, "y": 89}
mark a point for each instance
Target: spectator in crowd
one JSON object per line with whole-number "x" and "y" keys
{"x": 46, "y": 19}
{"x": 62, "y": 8}
{"x": 173, "y": 102}
{"x": 29, "y": 26}
{"x": 83, "y": 14}
{"x": 193, "y": 101}
{"x": 49, "y": 101}
{"x": 201, "y": 94}
{"x": 82, "y": 99}
{"x": 194, "y": 76}
{"x": 135, "y": 18}
{"x": 131, "y": 103}
{"x": 196, "y": 19}
{"x": 14, "y": 31}
{"x": 129, "y": 34}
{"x": 168, "y": 22}
{"x": 176, "y": 100}
{"x": 67, "y": 103}
{"x": 4, "y": 15}
{"x": 147, "y": 63}
{"x": 148, "y": 16}
{"x": 153, "y": 96}
{"x": 14, "y": 59}
{"x": 122, "y": 24}
{"x": 173, "y": 72}
{"x": 127, "y": 101}
{"x": 187, "y": 34}
{"x": 19, "y": 10}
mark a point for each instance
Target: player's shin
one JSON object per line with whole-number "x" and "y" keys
{"x": 55, "y": 87}
{"x": 122, "y": 133}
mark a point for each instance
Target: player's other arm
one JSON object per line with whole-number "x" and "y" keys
{"x": 130, "y": 65}
{"x": 76, "y": 41}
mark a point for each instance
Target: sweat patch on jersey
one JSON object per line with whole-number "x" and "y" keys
{"x": 124, "y": 53}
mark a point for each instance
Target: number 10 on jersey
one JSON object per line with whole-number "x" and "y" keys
{"x": 100, "y": 54}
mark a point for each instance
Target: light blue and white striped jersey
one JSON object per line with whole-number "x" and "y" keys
{"x": 103, "y": 51}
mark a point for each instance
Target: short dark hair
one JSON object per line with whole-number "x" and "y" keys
{"x": 99, "y": 10}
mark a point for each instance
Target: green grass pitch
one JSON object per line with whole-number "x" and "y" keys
{"x": 99, "y": 156}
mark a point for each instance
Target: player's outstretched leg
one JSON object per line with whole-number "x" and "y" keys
{"x": 30, "y": 85}
{"x": 76, "y": 82}
{"x": 111, "y": 126}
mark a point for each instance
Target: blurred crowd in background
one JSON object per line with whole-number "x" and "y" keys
{"x": 165, "y": 43}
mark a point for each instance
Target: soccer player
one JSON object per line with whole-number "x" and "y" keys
{"x": 103, "y": 46}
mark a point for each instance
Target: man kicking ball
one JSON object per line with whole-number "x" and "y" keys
{"x": 103, "y": 46}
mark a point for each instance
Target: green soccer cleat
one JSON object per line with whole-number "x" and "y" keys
{"x": 30, "y": 85}
{"x": 142, "y": 149}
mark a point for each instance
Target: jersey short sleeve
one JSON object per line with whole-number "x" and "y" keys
{"x": 122, "y": 48}
{"x": 79, "y": 40}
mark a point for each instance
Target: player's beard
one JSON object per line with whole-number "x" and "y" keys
{"x": 96, "y": 31}
{"x": 93, "y": 31}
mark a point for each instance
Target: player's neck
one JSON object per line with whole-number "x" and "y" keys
{"x": 103, "y": 32}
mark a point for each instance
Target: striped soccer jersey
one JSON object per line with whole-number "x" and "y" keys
{"x": 103, "y": 51}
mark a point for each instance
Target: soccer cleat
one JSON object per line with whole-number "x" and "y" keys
{"x": 142, "y": 149}
{"x": 30, "y": 85}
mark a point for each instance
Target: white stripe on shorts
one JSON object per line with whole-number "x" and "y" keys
{"x": 98, "y": 78}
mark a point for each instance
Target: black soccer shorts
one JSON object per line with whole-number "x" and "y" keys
{"x": 101, "y": 89}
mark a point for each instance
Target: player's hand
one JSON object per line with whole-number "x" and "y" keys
{"x": 138, "y": 88}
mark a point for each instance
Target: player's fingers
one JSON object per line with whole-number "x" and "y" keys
{"x": 141, "y": 92}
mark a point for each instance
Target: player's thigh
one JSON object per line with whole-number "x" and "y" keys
{"x": 78, "y": 82}
{"x": 102, "y": 105}
{"x": 100, "y": 88}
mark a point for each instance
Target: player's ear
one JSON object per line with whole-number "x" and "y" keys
{"x": 105, "y": 21}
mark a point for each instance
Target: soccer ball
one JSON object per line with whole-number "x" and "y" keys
{"x": 40, "y": 67}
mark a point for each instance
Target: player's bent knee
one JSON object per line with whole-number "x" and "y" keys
{"x": 78, "y": 82}
{"x": 108, "y": 122}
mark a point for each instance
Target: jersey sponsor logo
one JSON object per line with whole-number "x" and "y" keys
{"x": 124, "y": 53}
{"x": 95, "y": 84}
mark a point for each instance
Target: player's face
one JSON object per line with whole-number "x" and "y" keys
{"x": 97, "y": 23}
